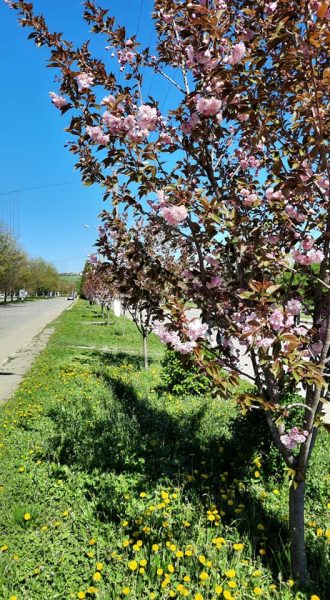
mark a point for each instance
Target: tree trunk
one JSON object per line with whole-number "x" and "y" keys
{"x": 145, "y": 350}
{"x": 297, "y": 532}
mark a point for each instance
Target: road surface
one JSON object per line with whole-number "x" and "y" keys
{"x": 22, "y": 337}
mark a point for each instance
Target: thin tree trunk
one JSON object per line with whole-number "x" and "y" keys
{"x": 297, "y": 532}
{"x": 145, "y": 351}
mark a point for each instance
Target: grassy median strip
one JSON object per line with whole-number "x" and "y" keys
{"x": 112, "y": 488}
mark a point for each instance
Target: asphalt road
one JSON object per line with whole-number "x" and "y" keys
{"x": 22, "y": 337}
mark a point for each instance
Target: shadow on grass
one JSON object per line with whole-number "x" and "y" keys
{"x": 145, "y": 442}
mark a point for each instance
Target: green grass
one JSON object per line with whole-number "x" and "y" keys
{"x": 100, "y": 472}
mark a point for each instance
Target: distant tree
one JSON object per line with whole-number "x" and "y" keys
{"x": 13, "y": 265}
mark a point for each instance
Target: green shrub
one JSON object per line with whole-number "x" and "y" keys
{"x": 180, "y": 375}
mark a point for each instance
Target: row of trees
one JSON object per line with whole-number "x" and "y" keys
{"x": 235, "y": 179}
{"x": 18, "y": 271}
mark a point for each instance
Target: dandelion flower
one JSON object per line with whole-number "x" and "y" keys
{"x": 27, "y": 517}
{"x": 132, "y": 565}
{"x": 231, "y": 573}
{"x": 97, "y": 576}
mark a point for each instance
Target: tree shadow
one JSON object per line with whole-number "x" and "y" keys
{"x": 144, "y": 441}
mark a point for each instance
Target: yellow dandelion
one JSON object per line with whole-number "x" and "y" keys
{"x": 132, "y": 565}
{"x": 143, "y": 562}
{"x": 238, "y": 547}
{"x": 91, "y": 542}
{"x": 27, "y": 517}
{"x": 218, "y": 589}
{"x": 231, "y": 573}
{"x": 97, "y": 576}
{"x": 315, "y": 597}
{"x": 99, "y": 566}
{"x": 92, "y": 590}
{"x": 257, "y": 591}
{"x": 203, "y": 576}
{"x": 199, "y": 597}
{"x": 155, "y": 547}
{"x": 81, "y": 595}
{"x": 232, "y": 584}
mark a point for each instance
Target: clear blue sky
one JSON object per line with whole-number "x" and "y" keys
{"x": 32, "y": 152}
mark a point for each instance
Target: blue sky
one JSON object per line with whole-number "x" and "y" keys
{"x": 32, "y": 152}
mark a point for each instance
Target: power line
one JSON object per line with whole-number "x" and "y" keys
{"x": 139, "y": 19}
{"x": 37, "y": 187}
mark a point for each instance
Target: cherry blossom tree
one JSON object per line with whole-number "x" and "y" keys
{"x": 237, "y": 172}
{"x": 98, "y": 289}
{"x": 138, "y": 261}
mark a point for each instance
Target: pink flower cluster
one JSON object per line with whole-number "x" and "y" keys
{"x": 97, "y": 135}
{"x": 125, "y": 57}
{"x": 311, "y": 257}
{"x": 201, "y": 58}
{"x": 271, "y": 195}
{"x": 174, "y": 214}
{"x": 208, "y": 106}
{"x": 58, "y": 101}
{"x": 294, "y": 437}
{"x": 187, "y": 126}
{"x": 250, "y": 199}
{"x": 276, "y": 320}
{"x": 293, "y": 307}
{"x": 292, "y": 212}
{"x": 247, "y": 162}
{"x": 237, "y": 53}
{"x": 85, "y": 81}
{"x": 195, "y": 330}
{"x": 137, "y": 127}
{"x": 214, "y": 283}
{"x": 264, "y": 343}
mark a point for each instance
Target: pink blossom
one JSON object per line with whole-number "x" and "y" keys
{"x": 185, "y": 347}
{"x": 215, "y": 282}
{"x": 114, "y": 124}
{"x": 85, "y": 81}
{"x": 313, "y": 257}
{"x": 276, "y": 320}
{"x": 165, "y": 138}
{"x": 208, "y": 106}
{"x": 294, "y": 437}
{"x": 187, "y": 126}
{"x": 294, "y": 214}
{"x": 270, "y": 8}
{"x": 97, "y": 135}
{"x": 293, "y": 307}
{"x": 264, "y": 343}
{"x": 166, "y": 336}
{"x": 147, "y": 117}
{"x": 196, "y": 329}
{"x": 237, "y": 53}
{"x": 250, "y": 200}
{"x": 273, "y": 239}
{"x": 308, "y": 243}
{"x": 174, "y": 214}
{"x": 125, "y": 57}
{"x": 108, "y": 100}
{"x": 58, "y": 101}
